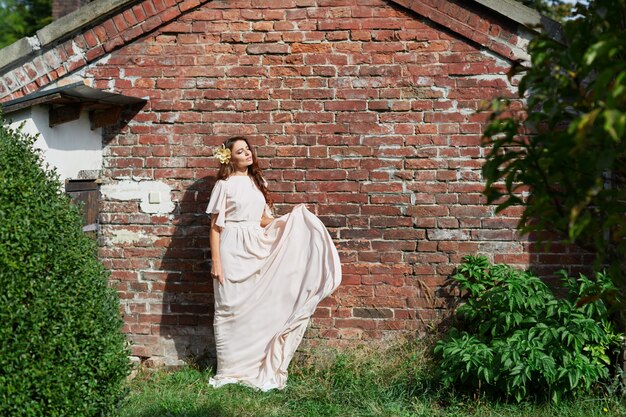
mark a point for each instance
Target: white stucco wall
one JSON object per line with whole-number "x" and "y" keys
{"x": 70, "y": 147}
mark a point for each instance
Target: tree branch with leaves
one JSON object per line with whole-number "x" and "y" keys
{"x": 568, "y": 148}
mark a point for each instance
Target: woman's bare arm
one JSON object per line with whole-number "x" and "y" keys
{"x": 216, "y": 260}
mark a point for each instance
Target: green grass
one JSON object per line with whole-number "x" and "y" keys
{"x": 379, "y": 380}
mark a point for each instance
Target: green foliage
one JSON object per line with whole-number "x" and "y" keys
{"x": 377, "y": 379}
{"x": 516, "y": 339}
{"x": 570, "y": 150}
{"x": 390, "y": 379}
{"x": 380, "y": 377}
{"x": 61, "y": 349}
{"x": 22, "y": 18}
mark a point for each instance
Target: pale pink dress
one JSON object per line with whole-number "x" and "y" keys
{"x": 274, "y": 279}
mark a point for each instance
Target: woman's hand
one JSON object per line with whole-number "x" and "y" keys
{"x": 266, "y": 220}
{"x": 216, "y": 272}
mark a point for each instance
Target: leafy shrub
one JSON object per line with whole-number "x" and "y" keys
{"x": 515, "y": 338}
{"x": 61, "y": 349}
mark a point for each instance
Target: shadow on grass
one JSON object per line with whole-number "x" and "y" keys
{"x": 205, "y": 410}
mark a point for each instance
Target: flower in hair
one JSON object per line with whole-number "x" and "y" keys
{"x": 222, "y": 154}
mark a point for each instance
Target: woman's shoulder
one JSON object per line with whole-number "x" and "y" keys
{"x": 226, "y": 183}
{"x": 220, "y": 186}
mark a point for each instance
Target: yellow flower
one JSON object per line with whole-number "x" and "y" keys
{"x": 606, "y": 410}
{"x": 222, "y": 154}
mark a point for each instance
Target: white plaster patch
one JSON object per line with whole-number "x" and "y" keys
{"x": 169, "y": 117}
{"x": 501, "y": 62}
{"x": 443, "y": 90}
{"x": 78, "y": 53}
{"x": 365, "y": 83}
{"x": 123, "y": 76}
{"x": 447, "y": 234}
{"x": 34, "y": 43}
{"x": 126, "y": 236}
{"x": 500, "y": 247}
{"x": 141, "y": 191}
{"x": 524, "y": 36}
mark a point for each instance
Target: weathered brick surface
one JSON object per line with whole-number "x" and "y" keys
{"x": 366, "y": 112}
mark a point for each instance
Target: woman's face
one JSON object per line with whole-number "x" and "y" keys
{"x": 241, "y": 155}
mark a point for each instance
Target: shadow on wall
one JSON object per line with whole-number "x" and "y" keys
{"x": 547, "y": 258}
{"x": 188, "y": 304}
{"x": 544, "y": 258}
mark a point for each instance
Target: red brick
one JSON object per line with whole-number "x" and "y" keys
{"x": 151, "y": 23}
{"x": 132, "y": 33}
{"x": 113, "y": 43}
{"x": 355, "y": 324}
{"x": 169, "y": 14}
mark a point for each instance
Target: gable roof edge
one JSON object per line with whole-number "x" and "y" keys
{"x": 92, "y": 34}
{"x": 462, "y": 18}
{"x": 90, "y": 13}
{"x": 525, "y": 16}
{"x": 60, "y": 29}
{"x": 44, "y": 53}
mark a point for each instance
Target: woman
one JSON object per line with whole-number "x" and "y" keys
{"x": 269, "y": 274}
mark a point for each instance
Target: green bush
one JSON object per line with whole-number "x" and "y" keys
{"x": 516, "y": 339}
{"x": 61, "y": 349}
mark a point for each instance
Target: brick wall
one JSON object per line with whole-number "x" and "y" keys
{"x": 364, "y": 110}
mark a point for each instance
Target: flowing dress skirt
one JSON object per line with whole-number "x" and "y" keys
{"x": 274, "y": 279}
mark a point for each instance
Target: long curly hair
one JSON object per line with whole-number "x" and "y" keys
{"x": 226, "y": 170}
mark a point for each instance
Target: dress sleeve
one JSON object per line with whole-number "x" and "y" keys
{"x": 217, "y": 202}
